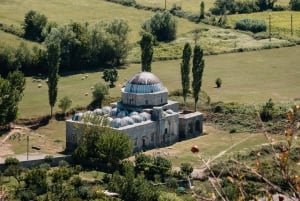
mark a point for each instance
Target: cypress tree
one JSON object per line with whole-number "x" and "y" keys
{"x": 185, "y": 70}
{"x": 197, "y": 70}
{"x": 147, "y": 51}
{"x": 53, "y": 60}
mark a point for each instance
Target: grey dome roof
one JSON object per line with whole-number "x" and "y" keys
{"x": 144, "y": 82}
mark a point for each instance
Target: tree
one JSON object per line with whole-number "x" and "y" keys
{"x": 110, "y": 75}
{"x": 34, "y": 24}
{"x": 202, "y": 10}
{"x": 103, "y": 144}
{"x": 186, "y": 169}
{"x": 162, "y": 25}
{"x": 64, "y": 104}
{"x": 100, "y": 90}
{"x": 185, "y": 70}
{"x": 53, "y": 60}
{"x": 197, "y": 70}
{"x": 13, "y": 168}
{"x": 11, "y": 90}
{"x": 119, "y": 29}
{"x": 295, "y": 5}
{"x": 146, "y": 44}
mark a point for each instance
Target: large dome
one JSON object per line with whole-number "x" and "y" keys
{"x": 144, "y": 82}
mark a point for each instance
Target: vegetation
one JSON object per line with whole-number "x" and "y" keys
{"x": 146, "y": 44}
{"x": 53, "y": 60}
{"x": 34, "y": 23}
{"x": 295, "y": 5}
{"x": 110, "y": 75}
{"x": 102, "y": 145}
{"x": 64, "y": 104}
{"x": 99, "y": 92}
{"x": 218, "y": 82}
{"x": 197, "y": 70}
{"x": 185, "y": 70}
{"x": 252, "y": 25}
{"x": 12, "y": 91}
{"x": 162, "y": 25}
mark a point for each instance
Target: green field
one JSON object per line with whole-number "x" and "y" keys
{"x": 280, "y": 21}
{"x": 189, "y": 5}
{"x": 250, "y": 77}
{"x": 92, "y": 11}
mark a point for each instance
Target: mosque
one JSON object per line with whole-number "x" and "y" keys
{"x": 144, "y": 113}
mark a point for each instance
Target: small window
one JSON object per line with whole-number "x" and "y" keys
{"x": 146, "y": 102}
{"x": 166, "y": 130}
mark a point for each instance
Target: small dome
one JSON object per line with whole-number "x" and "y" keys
{"x": 145, "y": 116}
{"x": 144, "y": 82}
{"x": 169, "y": 111}
{"x": 133, "y": 113}
{"x": 114, "y": 112}
{"x": 137, "y": 118}
{"x": 129, "y": 120}
{"x": 122, "y": 114}
{"x": 106, "y": 110}
{"x": 116, "y": 123}
{"x": 98, "y": 111}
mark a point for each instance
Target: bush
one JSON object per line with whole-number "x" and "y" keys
{"x": 253, "y": 25}
{"x": 162, "y": 25}
{"x": 295, "y": 4}
{"x": 267, "y": 111}
{"x": 218, "y": 82}
{"x": 34, "y": 24}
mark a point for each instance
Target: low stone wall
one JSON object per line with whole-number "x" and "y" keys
{"x": 36, "y": 162}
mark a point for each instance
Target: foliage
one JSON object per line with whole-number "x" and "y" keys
{"x": 105, "y": 145}
{"x": 265, "y": 4}
{"x": 99, "y": 92}
{"x": 84, "y": 46}
{"x": 218, "y": 82}
{"x": 222, "y": 6}
{"x": 168, "y": 197}
{"x": 162, "y": 25}
{"x": 197, "y": 70}
{"x": 110, "y": 75}
{"x": 53, "y": 59}
{"x": 295, "y": 5}
{"x": 185, "y": 70}
{"x": 36, "y": 181}
{"x": 267, "y": 111}
{"x": 253, "y": 25}
{"x": 64, "y": 104}
{"x": 202, "y": 10}
{"x": 186, "y": 169}
{"x": 34, "y": 24}
{"x": 146, "y": 44}
{"x": 11, "y": 90}
{"x": 151, "y": 166}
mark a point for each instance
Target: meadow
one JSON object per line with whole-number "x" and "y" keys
{"x": 280, "y": 21}
{"x": 249, "y": 77}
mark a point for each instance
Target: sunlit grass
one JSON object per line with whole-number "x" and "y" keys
{"x": 280, "y": 21}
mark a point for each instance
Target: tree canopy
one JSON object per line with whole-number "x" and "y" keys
{"x": 34, "y": 24}
{"x": 103, "y": 145}
{"x": 162, "y": 25}
{"x": 146, "y": 44}
{"x": 185, "y": 70}
{"x": 11, "y": 90}
{"x": 110, "y": 75}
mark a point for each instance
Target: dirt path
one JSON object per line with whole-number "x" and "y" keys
{"x": 199, "y": 172}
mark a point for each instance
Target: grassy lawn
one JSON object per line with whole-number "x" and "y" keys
{"x": 280, "y": 21}
{"x": 211, "y": 145}
{"x": 189, "y": 5}
{"x": 92, "y": 11}
{"x": 7, "y": 39}
{"x": 250, "y": 77}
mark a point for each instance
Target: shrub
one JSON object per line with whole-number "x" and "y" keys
{"x": 253, "y": 25}
{"x": 34, "y": 24}
{"x": 162, "y": 25}
{"x": 295, "y": 4}
{"x": 218, "y": 82}
{"x": 267, "y": 111}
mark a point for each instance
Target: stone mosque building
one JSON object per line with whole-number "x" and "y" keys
{"x": 144, "y": 113}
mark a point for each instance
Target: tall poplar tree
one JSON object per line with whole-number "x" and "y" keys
{"x": 147, "y": 51}
{"x": 185, "y": 70}
{"x": 53, "y": 60}
{"x": 197, "y": 70}
{"x": 202, "y": 10}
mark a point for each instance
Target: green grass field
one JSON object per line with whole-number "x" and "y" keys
{"x": 92, "y": 11}
{"x": 250, "y": 77}
{"x": 280, "y": 21}
{"x": 189, "y": 5}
